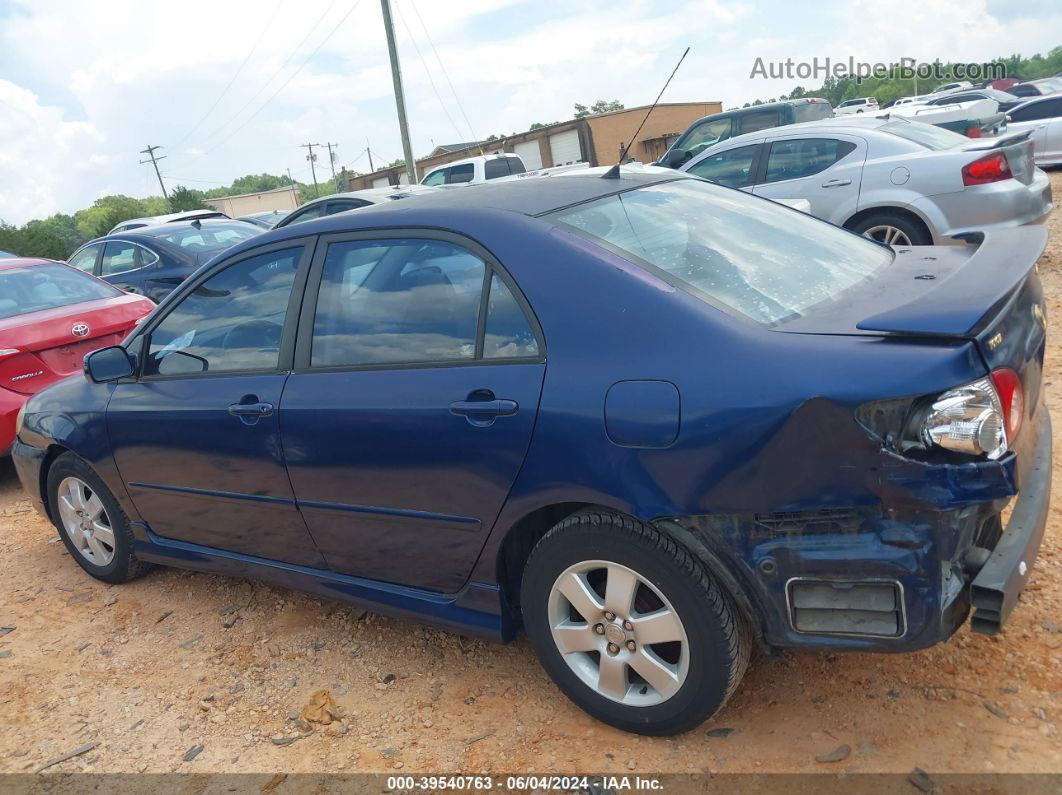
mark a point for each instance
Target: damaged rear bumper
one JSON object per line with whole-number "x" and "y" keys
{"x": 893, "y": 577}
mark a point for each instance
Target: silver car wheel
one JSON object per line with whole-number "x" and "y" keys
{"x": 630, "y": 645}
{"x": 86, "y": 522}
{"x": 888, "y": 234}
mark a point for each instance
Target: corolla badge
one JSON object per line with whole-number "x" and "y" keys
{"x": 80, "y": 330}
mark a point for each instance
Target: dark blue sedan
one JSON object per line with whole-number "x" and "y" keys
{"x": 654, "y": 421}
{"x": 153, "y": 260}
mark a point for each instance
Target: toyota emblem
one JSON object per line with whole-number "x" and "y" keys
{"x": 80, "y": 330}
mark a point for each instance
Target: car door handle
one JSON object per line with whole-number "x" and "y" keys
{"x": 251, "y": 409}
{"x": 836, "y": 183}
{"x": 483, "y": 409}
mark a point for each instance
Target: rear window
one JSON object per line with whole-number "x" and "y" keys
{"x": 39, "y": 287}
{"x": 812, "y": 111}
{"x": 929, "y": 136}
{"x": 208, "y": 237}
{"x": 752, "y": 256}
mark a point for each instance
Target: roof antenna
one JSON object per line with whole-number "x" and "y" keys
{"x": 614, "y": 172}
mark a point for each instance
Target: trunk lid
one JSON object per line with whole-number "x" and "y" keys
{"x": 989, "y": 294}
{"x": 50, "y": 349}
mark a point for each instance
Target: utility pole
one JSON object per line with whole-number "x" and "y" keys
{"x": 400, "y": 100}
{"x": 150, "y": 152}
{"x": 369, "y": 152}
{"x": 332, "y": 162}
{"x": 312, "y": 157}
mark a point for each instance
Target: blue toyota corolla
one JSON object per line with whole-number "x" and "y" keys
{"x": 655, "y": 421}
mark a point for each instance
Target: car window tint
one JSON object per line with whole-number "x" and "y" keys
{"x": 804, "y": 157}
{"x": 811, "y": 111}
{"x": 732, "y": 168}
{"x": 85, "y": 260}
{"x": 760, "y": 120}
{"x": 436, "y": 177}
{"x": 516, "y": 165}
{"x": 463, "y": 173}
{"x": 1044, "y": 109}
{"x": 508, "y": 335}
{"x": 342, "y": 205}
{"x": 705, "y": 135}
{"x": 1024, "y": 91}
{"x": 25, "y": 290}
{"x": 232, "y": 321}
{"x": 118, "y": 257}
{"x": 311, "y": 212}
{"x": 145, "y": 257}
{"x": 396, "y": 301}
{"x": 493, "y": 169}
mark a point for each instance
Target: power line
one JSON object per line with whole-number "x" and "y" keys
{"x": 275, "y": 74}
{"x": 150, "y": 152}
{"x": 443, "y": 67}
{"x": 290, "y": 78}
{"x": 427, "y": 71}
{"x": 232, "y": 80}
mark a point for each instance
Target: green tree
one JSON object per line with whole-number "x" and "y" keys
{"x": 182, "y": 198}
{"x": 601, "y": 106}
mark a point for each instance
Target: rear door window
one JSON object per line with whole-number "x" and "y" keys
{"x": 803, "y": 157}
{"x": 706, "y": 134}
{"x": 1044, "y": 109}
{"x": 733, "y": 168}
{"x": 493, "y": 169}
{"x": 118, "y": 257}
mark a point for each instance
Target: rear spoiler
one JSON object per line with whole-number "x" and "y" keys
{"x": 1007, "y": 139}
{"x": 954, "y": 304}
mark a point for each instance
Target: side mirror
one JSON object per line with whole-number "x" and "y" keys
{"x": 109, "y": 364}
{"x": 675, "y": 158}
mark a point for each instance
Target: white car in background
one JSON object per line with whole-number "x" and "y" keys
{"x": 899, "y": 182}
{"x": 1042, "y": 117}
{"x": 861, "y": 105}
{"x": 474, "y": 170}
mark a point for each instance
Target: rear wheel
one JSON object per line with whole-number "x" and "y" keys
{"x": 630, "y": 626}
{"x": 90, "y": 521}
{"x": 893, "y": 229}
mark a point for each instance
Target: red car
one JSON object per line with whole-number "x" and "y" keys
{"x": 51, "y": 315}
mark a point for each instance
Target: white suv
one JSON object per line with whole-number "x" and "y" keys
{"x": 861, "y": 105}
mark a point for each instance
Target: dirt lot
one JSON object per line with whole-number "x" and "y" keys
{"x": 152, "y": 670}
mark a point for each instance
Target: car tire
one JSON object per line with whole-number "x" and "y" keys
{"x": 90, "y": 521}
{"x": 908, "y": 232}
{"x": 687, "y": 680}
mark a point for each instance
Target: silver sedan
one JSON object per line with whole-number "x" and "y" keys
{"x": 897, "y": 181}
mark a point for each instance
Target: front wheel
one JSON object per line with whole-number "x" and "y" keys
{"x": 630, "y": 626}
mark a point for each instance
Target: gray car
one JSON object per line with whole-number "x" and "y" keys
{"x": 1042, "y": 117}
{"x": 899, "y": 182}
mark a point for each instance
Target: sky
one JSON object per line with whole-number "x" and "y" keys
{"x": 232, "y": 87}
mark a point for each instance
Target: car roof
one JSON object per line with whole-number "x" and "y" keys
{"x": 532, "y": 196}
{"x": 374, "y": 195}
{"x": 151, "y": 220}
{"x": 841, "y": 124}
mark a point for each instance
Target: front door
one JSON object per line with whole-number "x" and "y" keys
{"x": 196, "y": 436}
{"x": 410, "y": 411}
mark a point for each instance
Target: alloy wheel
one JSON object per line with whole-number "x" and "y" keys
{"x": 888, "y": 234}
{"x": 618, "y": 633}
{"x": 86, "y": 522}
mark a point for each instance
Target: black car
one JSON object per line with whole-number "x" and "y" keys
{"x": 152, "y": 260}
{"x": 719, "y": 126}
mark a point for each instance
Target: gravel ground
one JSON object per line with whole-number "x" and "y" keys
{"x": 196, "y": 673}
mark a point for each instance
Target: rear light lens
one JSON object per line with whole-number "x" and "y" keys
{"x": 973, "y": 131}
{"x": 1011, "y": 398}
{"x": 991, "y": 168}
{"x": 968, "y": 419}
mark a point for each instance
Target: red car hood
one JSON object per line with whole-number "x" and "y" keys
{"x": 49, "y": 349}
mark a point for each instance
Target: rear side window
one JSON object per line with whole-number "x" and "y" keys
{"x": 1021, "y": 90}
{"x": 410, "y": 300}
{"x": 232, "y": 322}
{"x": 927, "y": 135}
{"x": 502, "y": 167}
{"x": 25, "y": 290}
{"x": 759, "y": 120}
{"x": 804, "y": 157}
{"x": 119, "y": 257}
{"x": 732, "y": 168}
{"x": 1045, "y": 109}
{"x": 465, "y": 172}
{"x": 812, "y": 111}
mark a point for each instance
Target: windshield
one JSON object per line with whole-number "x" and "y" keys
{"x": 765, "y": 261}
{"x": 38, "y": 287}
{"x": 207, "y": 237}
{"x": 929, "y": 136}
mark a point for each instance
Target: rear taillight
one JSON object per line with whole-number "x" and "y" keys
{"x": 990, "y": 168}
{"x": 973, "y": 131}
{"x": 1011, "y": 397}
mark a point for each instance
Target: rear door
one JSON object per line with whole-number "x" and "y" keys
{"x": 417, "y": 377}
{"x": 824, "y": 169}
{"x": 124, "y": 265}
{"x": 737, "y": 167}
